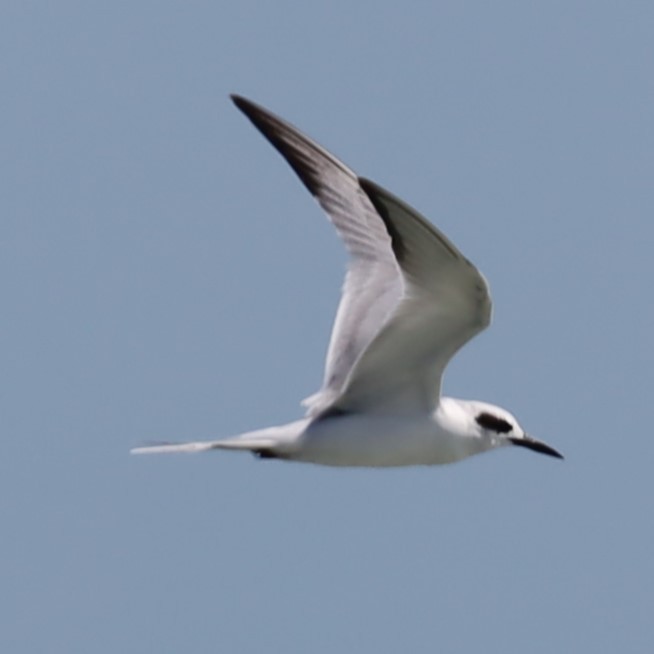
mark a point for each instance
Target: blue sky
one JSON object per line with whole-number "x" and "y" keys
{"x": 164, "y": 276}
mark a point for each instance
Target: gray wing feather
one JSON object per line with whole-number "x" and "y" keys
{"x": 445, "y": 303}
{"x": 373, "y": 284}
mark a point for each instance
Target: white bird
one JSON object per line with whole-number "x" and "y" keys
{"x": 410, "y": 301}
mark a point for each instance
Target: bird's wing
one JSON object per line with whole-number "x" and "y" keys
{"x": 373, "y": 283}
{"x": 445, "y": 302}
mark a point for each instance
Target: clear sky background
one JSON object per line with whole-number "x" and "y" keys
{"x": 164, "y": 276}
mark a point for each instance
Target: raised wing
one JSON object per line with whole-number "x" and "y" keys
{"x": 444, "y": 304}
{"x": 373, "y": 284}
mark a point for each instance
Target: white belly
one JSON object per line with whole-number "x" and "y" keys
{"x": 374, "y": 440}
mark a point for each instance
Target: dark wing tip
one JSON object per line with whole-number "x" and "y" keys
{"x": 251, "y": 109}
{"x": 242, "y": 103}
{"x": 298, "y": 150}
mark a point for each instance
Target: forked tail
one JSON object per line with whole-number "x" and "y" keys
{"x": 272, "y": 442}
{"x": 205, "y": 446}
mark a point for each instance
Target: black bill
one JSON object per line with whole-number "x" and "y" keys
{"x": 537, "y": 446}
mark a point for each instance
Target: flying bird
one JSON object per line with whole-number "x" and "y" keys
{"x": 410, "y": 301}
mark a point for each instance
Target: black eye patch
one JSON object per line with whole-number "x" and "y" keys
{"x": 489, "y": 421}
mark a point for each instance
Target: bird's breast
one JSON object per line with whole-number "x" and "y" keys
{"x": 376, "y": 440}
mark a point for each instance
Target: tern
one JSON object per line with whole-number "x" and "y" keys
{"x": 409, "y": 302}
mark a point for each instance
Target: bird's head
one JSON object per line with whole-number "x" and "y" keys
{"x": 501, "y": 428}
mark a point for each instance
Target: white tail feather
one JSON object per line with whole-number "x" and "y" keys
{"x": 204, "y": 446}
{"x": 272, "y": 439}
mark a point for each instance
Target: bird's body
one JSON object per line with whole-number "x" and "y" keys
{"x": 410, "y": 301}
{"x": 381, "y": 440}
